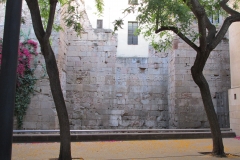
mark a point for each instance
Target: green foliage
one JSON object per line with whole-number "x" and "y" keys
{"x": 25, "y": 76}
{"x": 154, "y": 14}
{"x": 162, "y": 42}
{"x": 25, "y": 81}
{"x": 236, "y": 4}
{"x": 23, "y": 95}
{"x": 44, "y": 7}
{"x": 100, "y": 7}
{"x": 117, "y": 24}
{"x": 73, "y": 16}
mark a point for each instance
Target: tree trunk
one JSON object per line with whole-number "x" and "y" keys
{"x": 52, "y": 70}
{"x": 199, "y": 79}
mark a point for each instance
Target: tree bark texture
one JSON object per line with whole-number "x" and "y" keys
{"x": 52, "y": 70}
{"x": 199, "y": 79}
{"x": 53, "y": 73}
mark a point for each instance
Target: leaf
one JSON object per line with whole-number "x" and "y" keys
{"x": 100, "y": 7}
{"x": 117, "y": 24}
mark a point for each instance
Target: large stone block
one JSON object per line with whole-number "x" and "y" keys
{"x": 150, "y": 123}
{"x": 30, "y": 125}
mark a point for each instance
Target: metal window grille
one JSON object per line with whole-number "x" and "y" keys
{"x": 99, "y": 23}
{"x": 132, "y": 39}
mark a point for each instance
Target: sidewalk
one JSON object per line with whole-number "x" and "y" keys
{"x": 127, "y": 150}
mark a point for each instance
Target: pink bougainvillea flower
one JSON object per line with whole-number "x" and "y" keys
{"x": 24, "y": 56}
{"x": 20, "y": 70}
{"x": 33, "y": 44}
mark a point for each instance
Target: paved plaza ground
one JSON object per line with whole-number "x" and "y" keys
{"x": 127, "y": 150}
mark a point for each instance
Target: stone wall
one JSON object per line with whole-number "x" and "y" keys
{"x": 105, "y": 91}
{"x": 185, "y": 103}
{"x": 172, "y": 113}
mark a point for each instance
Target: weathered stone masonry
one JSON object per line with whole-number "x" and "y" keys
{"x": 185, "y": 104}
{"x": 105, "y": 91}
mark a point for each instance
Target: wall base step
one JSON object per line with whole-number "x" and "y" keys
{"x": 117, "y": 136}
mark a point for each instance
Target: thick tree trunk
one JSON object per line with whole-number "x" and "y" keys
{"x": 52, "y": 70}
{"x": 199, "y": 79}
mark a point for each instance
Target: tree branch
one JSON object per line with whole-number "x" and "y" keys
{"x": 200, "y": 14}
{"x": 211, "y": 30}
{"x": 182, "y": 36}
{"x": 229, "y": 10}
{"x": 228, "y": 21}
{"x": 53, "y": 4}
{"x": 157, "y": 18}
{"x": 36, "y": 19}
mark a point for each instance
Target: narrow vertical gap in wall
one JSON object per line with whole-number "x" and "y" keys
{"x": 235, "y": 96}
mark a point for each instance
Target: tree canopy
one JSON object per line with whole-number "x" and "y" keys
{"x": 179, "y": 16}
{"x": 71, "y": 16}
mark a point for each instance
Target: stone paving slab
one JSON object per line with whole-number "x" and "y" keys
{"x": 187, "y": 149}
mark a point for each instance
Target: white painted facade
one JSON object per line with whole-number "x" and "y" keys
{"x": 112, "y": 11}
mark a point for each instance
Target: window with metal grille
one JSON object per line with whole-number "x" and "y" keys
{"x": 132, "y": 39}
{"x": 99, "y": 23}
{"x": 133, "y": 2}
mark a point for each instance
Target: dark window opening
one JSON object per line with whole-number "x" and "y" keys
{"x": 235, "y": 96}
{"x": 133, "y": 2}
{"x": 99, "y": 23}
{"x": 132, "y": 39}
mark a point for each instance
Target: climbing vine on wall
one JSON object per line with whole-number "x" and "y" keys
{"x": 25, "y": 77}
